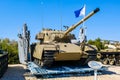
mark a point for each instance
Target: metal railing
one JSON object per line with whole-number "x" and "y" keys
{"x": 3, "y": 63}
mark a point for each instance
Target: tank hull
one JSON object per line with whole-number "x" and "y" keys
{"x": 47, "y": 54}
{"x": 67, "y": 56}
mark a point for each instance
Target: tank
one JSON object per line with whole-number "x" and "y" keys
{"x": 110, "y": 55}
{"x": 3, "y": 62}
{"x": 55, "y": 46}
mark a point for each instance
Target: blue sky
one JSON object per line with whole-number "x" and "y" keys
{"x": 56, "y": 13}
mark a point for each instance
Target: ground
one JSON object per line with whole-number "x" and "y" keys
{"x": 14, "y": 72}
{"x": 17, "y": 72}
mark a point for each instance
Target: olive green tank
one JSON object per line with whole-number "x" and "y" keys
{"x": 55, "y": 45}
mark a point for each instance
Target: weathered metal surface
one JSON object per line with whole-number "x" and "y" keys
{"x": 113, "y": 73}
{"x": 23, "y": 45}
{"x": 64, "y": 70}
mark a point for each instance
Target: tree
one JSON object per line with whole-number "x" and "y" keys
{"x": 91, "y": 42}
{"x": 98, "y": 43}
{"x": 12, "y": 48}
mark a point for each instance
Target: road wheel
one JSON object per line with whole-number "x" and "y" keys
{"x": 111, "y": 61}
{"x": 105, "y": 61}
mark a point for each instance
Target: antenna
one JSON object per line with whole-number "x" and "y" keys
{"x": 42, "y": 21}
{"x": 61, "y": 22}
{"x": 61, "y": 15}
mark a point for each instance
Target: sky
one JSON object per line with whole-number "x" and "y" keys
{"x": 38, "y": 14}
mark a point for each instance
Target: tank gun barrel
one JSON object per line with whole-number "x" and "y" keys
{"x": 81, "y": 21}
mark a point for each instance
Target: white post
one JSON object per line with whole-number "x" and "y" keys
{"x": 95, "y": 74}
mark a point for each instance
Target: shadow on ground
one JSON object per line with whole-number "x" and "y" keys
{"x": 14, "y": 73}
{"x": 108, "y": 72}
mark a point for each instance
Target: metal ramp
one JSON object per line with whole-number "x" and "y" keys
{"x": 61, "y": 70}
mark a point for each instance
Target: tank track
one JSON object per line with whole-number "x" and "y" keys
{"x": 111, "y": 58}
{"x": 91, "y": 56}
{"x": 47, "y": 59}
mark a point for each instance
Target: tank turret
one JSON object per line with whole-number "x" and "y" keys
{"x": 49, "y": 35}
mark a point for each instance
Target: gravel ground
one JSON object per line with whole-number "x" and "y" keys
{"x": 17, "y": 71}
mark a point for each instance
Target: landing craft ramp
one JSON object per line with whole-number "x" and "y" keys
{"x": 60, "y": 71}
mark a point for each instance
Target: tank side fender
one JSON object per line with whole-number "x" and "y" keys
{"x": 38, "y": 52}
